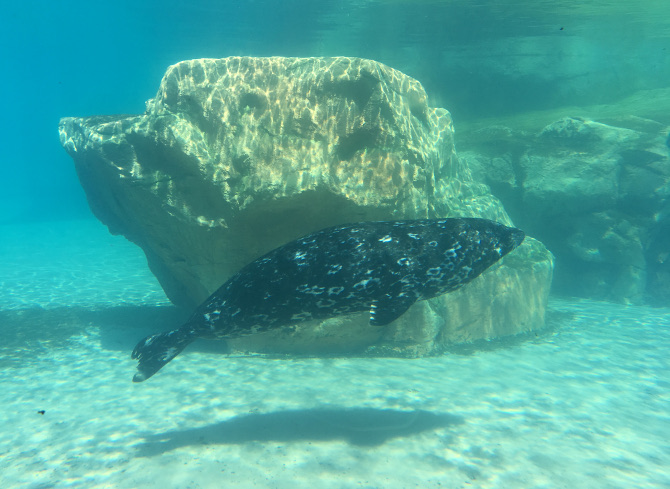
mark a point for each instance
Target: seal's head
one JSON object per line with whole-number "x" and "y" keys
{"x": 481, "y": 242}
{"x": 506, "y": 237}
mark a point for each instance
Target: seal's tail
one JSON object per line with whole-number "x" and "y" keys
{"x": 155, "y": 351}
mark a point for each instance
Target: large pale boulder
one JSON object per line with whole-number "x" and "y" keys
{"x": 237, "y": 156}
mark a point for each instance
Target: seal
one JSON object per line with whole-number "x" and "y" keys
{"x": 382, "y": 267}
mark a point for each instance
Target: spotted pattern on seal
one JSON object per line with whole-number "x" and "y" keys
{"x": 382, "y": 267}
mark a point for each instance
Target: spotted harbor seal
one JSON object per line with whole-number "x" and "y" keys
{"x": 382, "y": 267}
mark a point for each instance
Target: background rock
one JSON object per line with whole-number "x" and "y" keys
{"x": 237, "y": 156}
{"x": 597, "y": 194}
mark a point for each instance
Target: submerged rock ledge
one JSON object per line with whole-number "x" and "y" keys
{"x": 236, "y": 156}
{"x": 598, "y": 194}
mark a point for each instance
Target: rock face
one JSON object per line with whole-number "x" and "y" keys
{"x": 597, "y": 194}
{"x": 237, "y": 156}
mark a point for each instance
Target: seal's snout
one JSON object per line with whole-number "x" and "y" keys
{"x": 517, "y": 236}
{"x": 508, "y": 239}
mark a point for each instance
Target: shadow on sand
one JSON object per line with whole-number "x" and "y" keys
{"x": 357, "y": 426}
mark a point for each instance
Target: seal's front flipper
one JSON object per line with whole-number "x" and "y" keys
{"x": 155, "y": 351}
{"x": 389, "y": 309}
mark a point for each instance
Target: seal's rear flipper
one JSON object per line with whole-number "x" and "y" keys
{"x": 155, "y": 351}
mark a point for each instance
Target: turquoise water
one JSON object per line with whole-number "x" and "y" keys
{"x": 583, "y": 404}
{"x": 477, "y": 59}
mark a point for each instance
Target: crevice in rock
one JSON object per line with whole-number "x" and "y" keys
{"x": 358, "y": 140}
{"x": 359, "y": 89}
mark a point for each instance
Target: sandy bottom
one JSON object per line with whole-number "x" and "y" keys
{"x": 585, "y": 404}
